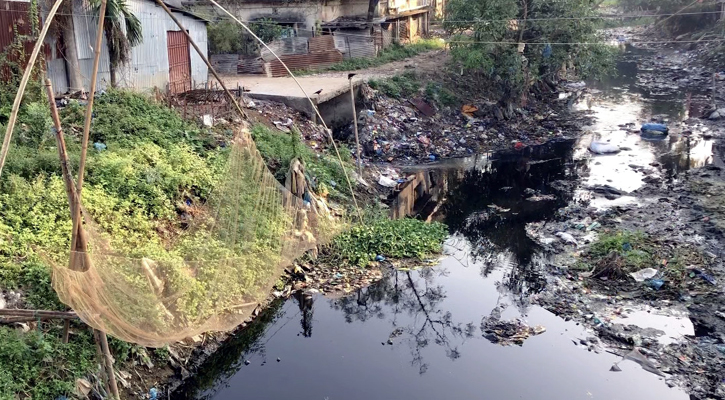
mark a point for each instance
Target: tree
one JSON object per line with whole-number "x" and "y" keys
{"x": 516, "y": 43}
{"x": 119, "y": 42}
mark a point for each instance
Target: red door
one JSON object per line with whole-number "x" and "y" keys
{"x": 179, "y": 62}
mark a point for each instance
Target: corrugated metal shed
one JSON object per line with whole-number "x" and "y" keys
{"x": 85, "y": 34}
{"x": 149, "y": 65}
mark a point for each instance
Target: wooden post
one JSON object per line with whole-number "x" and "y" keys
{"x": 101, "y": 361}
{"x": 66, "y": 330}
{"x": 70, "y": 187}
{"x": 203, "y": 57}
{"x": 79, "y": 246}
{"x": 354, "y": 121}
{"x": 24, "y": 82}
{"x": 109, "y": 364}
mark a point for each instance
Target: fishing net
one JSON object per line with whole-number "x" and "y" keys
{"x": 211, "y": 276}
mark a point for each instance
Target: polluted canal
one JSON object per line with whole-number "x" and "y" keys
{"x": 468, "y": 325}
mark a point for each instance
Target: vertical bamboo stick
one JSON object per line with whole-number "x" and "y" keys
{"x": 354, "y": 120}
{"x": 109, "y": 365}
{"x": 76, "y": 245}
{"x": 79, "y": 264}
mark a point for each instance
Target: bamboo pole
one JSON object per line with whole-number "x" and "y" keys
{"x": 23, "y": 83}
{"x": 203, "y": 57}
{"x": 109, "y": 364}
{"x": 77, "y": 222}
{"x": 70, "y": 189}
{"x": 354, "y": 121}
{"x": 42, "y": 314}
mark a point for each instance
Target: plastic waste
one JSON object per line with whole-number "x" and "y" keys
{"x": 603, "y": 148}
{"x": 655, "y": 284}
{"x": 567, "y": 238}
{"x": 594, "y": 226}
{"x": 626, "y": 247}
{"x": 654, "y": 127}
{"x": 547, "y": 51}
{"x": 99, "y": 146}
{"x": 379, "y": 258}
{"x": 153, "y": 394}
{"x": 644, "y": 274}
{"x": 387, "y": 182}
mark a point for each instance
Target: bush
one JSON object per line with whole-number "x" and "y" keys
{"x": 279, "y": 149}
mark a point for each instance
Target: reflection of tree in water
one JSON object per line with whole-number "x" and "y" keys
{"x": 419, "y": 298}
{"x": 490, "y": 208}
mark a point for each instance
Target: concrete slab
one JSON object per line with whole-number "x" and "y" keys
{"x": 286, "y": 91}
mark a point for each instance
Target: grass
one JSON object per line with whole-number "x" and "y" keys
{"x": 399, "y": 86}
{"x": 616, "y": 255}
{"x": 396, "y": 52}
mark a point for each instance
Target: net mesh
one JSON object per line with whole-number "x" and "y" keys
{"x": 212, "y": 275}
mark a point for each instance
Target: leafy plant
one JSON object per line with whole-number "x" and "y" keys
{"x": 403, "y": 238}
{"x": 39, "y": 366}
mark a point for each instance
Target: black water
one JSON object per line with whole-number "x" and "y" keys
{"x": 338, "y": 348}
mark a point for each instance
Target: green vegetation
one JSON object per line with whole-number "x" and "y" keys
{"x": 228, "y": 37}
{"x": 403, "y": 238}
{"x": 396, "y": 52}
{"x": 487, "y": 36}
{"x": 616, "y": 255}
{"x": 37, "y": 365}
{"x": 279, "y": 149}
{"x": 404, "y": 85}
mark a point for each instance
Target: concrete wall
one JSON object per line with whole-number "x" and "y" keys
{"x": 304, "y": 14}
{"x": 337, "y": 111}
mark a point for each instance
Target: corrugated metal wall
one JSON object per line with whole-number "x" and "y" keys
{"x": 355, "y": 43}
{"x": 149, "y": 65}
{"x": 85, "y": 28}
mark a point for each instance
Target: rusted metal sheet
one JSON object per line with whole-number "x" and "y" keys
{"x": 179, "y": 62}
{"x": 225, "y": 63}
{"x": 15, "y": 20}
{"x": 296, "y": 62}
{"x": 250, "y": 65}
{"x": 423, "y": 107}
{"x": 321, "y": 44}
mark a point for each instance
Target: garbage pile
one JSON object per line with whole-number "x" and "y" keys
{"x": 507, "y": 333}
{"x": 416, "y": 130}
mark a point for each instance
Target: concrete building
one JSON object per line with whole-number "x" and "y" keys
{"x": 164, "y": 60}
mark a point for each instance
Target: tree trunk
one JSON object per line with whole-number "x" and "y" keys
{"x": 72, "y": 63}
{"x": 112, "y": 70}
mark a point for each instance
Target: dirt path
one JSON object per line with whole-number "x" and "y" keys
{"x": 421, "y": 64}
